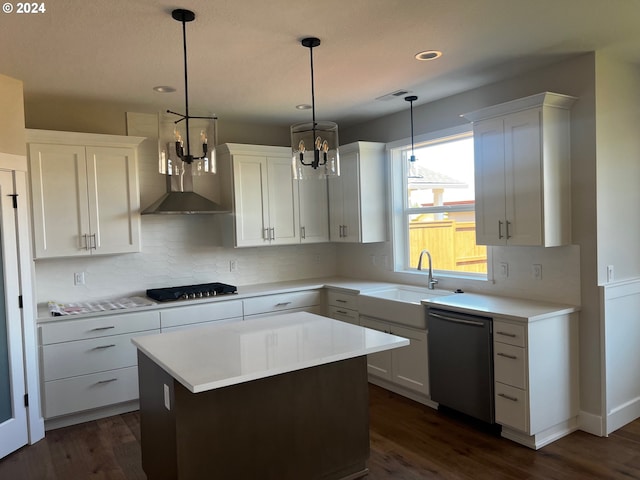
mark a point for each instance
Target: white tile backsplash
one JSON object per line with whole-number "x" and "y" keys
{"x": 178, "y": 250}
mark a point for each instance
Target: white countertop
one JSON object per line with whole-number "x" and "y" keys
{"x": 510, "y": 308}
{"x": 244, "y": 291}
{"x": 215, "y": 356}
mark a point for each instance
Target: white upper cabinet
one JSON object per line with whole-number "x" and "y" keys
{"x": 314, "y": 210}
{"x": 357, "y": 198}
{"x": 523, "y": 171}
{"x": 85, "y": 193}
{"x": 257, "y": 185}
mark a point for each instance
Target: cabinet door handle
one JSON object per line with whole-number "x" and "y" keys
{"x": 508, "y": 397}
{"x": 340, "y": 231}
{"x": 346, "y": 230}
{"x": 94, "y": 243}
{"x": 506, "y": 334}
{"x": 265, "y": 234}
{"x": 272, "y": 235}
{"x": 500, "y": 229}
{"x": 102, "y": 382}
{"x": 102, "y": 328}
{"x": 282, "y": 304}
{"x": 303, "y": 234}
{"x": 102, "y": 347}
{"x": 505, "y": 355}
{"x": 86, "y": 241}
{"x": 508, "y": 234}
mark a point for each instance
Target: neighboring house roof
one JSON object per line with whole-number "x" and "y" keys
{"x": 423, "y": 178}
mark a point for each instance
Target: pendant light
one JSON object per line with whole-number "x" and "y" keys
{"x": 314, "y": 144}
{"x": 189, "y": 143}
{"x": 411, "y": 99}
{"x": 180, "y": 159}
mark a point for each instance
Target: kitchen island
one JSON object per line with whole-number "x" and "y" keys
{"x": 280, "y": 397}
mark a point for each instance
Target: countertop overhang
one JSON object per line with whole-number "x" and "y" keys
{"x": 215, "y": 356}
{"x": 505, "y": 307}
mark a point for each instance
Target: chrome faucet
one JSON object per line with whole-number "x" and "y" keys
{"x": 431, "y": 282}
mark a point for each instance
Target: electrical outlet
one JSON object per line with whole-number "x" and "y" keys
{"x": 233, "y": 265}
{"x": 504, "y": 269}
{"x": 317, "y": 259}
{"x": 167, "y": 397}
{"x": 610, "y": 273}
{"x": 78, "y": 278}
{"x": 536, "y": 271}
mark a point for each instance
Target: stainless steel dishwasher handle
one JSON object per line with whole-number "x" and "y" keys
{"x": 456, "y": 320}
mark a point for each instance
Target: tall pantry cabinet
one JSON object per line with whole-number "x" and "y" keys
{"x": 357, "y": 198}
{"x": 85, "y": 193}
{"x": 522, "y": 171}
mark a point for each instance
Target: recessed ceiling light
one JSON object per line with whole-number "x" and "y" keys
{"x": 164, "y": 89}
{"x": 428, "y": 55}
{"x": 303, "y": 106}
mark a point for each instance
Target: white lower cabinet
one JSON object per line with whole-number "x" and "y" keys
{"x": 303, "y": 301}
{"x": 91, "y": 363}
{"x": 535, "y": 374}
{"x": 406, "y": 366}
{"x": 176, "y": 318}
{"x": 343, "y": 306}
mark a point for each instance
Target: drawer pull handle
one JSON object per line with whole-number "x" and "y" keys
{"x": 282, "y": 304}
{"x": 102, "y": 347}
{"x": 508, "y": 397}
{"x": 507, "y": 334}
{"x": 505, "y": 355}
{"x": 340, "y": 300}
{"x": 102, "y": 382}
{"x": 342, "y": 312}
{"x": 102, "y": 328}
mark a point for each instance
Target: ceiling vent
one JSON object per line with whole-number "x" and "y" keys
{"x": 392, "y": 95}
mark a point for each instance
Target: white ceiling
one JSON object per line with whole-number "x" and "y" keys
{"x": 246, "y": 62}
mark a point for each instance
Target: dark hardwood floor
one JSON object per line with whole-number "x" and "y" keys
{"x": 408, "y": 442}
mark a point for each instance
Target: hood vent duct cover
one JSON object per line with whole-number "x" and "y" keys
{"x": 180, "y": 199}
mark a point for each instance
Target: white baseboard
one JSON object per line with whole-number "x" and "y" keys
{"x": 90, "y": 415}
{"x": 622, "y": 415}
{"x": 591, "y": 423}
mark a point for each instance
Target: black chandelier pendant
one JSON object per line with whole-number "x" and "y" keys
{"x": 411, "y": 99}
{"x": 185, "y": 16}
{"x": 319, "y": 136}
{"x": 310, "y": 43}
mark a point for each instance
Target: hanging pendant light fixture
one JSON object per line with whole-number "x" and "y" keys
{"x": 179, "y": 156}
{"x": 180, "y": 159}
{"x": 411, "y": 99}
{"x": 314, "y": 144}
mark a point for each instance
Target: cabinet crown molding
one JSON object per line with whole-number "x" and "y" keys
{"x": 544, "y": 99}
{"x": 78, "y": 138}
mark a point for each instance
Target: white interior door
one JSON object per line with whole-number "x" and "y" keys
{"x": 13, "y": 413}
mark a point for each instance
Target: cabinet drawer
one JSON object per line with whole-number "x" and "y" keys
{"x": 80, "y": 329}
{"x": 70, "y": 359}
{"x": 511, "y": 406}
{"x": 85, "y": 392}
{"x": 343, "y": 314}
{"x": 340, "y": 299}
{"x": 174, "y": 317}
{"x": 510, "y": 333}
{"x": 281, "y": 301}
{"x": 510, "y": 365}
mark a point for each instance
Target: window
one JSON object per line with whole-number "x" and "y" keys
{"x": 434, "y": 202}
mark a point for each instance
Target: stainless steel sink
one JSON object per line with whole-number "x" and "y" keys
{"x": 399, "y": 304}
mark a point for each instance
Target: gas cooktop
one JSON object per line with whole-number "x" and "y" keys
{"x": 203, "y": 290}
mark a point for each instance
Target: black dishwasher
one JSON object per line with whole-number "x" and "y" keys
{"x": 461, "y": 362}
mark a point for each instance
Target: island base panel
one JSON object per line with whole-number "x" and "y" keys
{"x": 311, "y": 423}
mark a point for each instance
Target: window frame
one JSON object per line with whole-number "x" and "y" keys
{"x": 400, "y": 211}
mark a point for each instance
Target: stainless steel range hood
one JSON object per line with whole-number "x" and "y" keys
{"x": 180, "y": 199}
